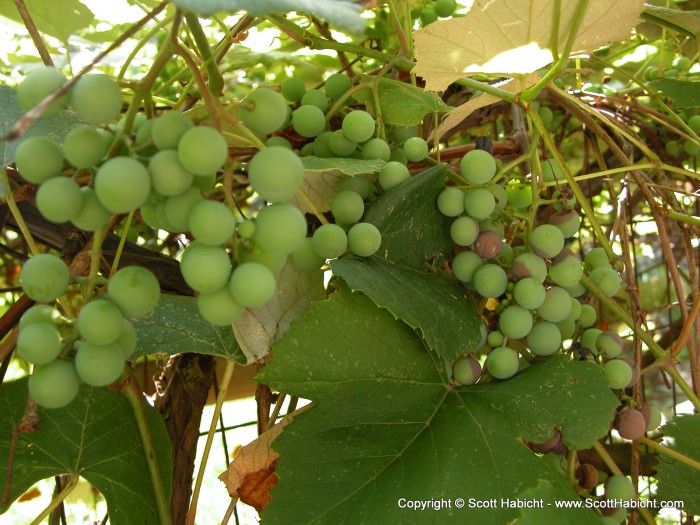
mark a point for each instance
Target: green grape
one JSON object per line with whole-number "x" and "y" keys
{"x": 492, "y": 224}
{"x": 576, "y": 290}
{"x": 428, "y": 15}
{"x": 609, "y": 344}
{"x": 568, "y": 222}
{"x": 356, "y": 184}
{"x": 44, "y": 277}
{"x": 122, "y": 184}
{"x": 567, "y": 328}
{"x": 691, "y": 148}
{"x": 416, "y": 149}
{"x": 347, "y": 207}
{"x": 376, "y": 149}
{"x": 529, "y": 293}
{"x": 38, "y": 85}
{"x": 544, "y": 339}
{"x": 596, "y": 258}
{"x": 168, "y": 175}
{"x": 278, "y": 142}
{"x": 478, "y": 166}
{"x": 305, "y": 258}
{"x": 280, "y": 228}
{"x": 364, "y": 239}
{"x": 252, "y": 284}
{"x": 502, "y": 362}
{"x": 168, "y": 129}
{"x": 176, "y": 209}
{"x": 445, "y": 8}
{"x": 607, "y": 280}
{"x": 466, "y": 371}
{"x": 479, "y": 203}
{"x": 694, "y": 123}
{"x": 264, "y": 111}
{"x": 143, "y": 135}
{"x": 397, "y": 155}
{"x": 654, "y": 419}
{"x": 315, "y": 97}
{"x": 308, "y": 121}
{"x": 84, "y": 147}
{"x": 246, "y": 229}
{"x": 465, "y": 264}
{"x": 392, "y": 174}
{"x": 495, "y": 338}
{"x": 96, "y": 99}
{"x": 563, "y": 200}
{"x": 40, "y": 313}
{"x": 551, "y": 170}
{"x": 293, "y": 89}
{"x": 205, "y": 268}
{"x": 202, "y": 150}
{"x": 490, "y": 280}
{"x": 341, "y": 146}
{"x": 575, "y": 309}
{"x": 619, "y": 487}
{"x": 450, "y": 202}
{"x": 308, "y": 149}
{"x": 566, "y": 270}
{"x": 330, "y": 241}
{"x": 358, "y": 126}
{"x": 39, "y": 343}
{"x": 219, "y": 308}
{"x": 618, "y": 373}
{"x": 673, "y": 147}
{"x": 212, "y": 223}
{"x": 556, "y": 306}
{"x": 149, "y": 214}
{"x": 38, "y": 159}
{"x": 519, "y": 195}
{"x": 54, "y": 385}
{"x": 322, "y": 145}
{"x": 506, "y": 255}
{"x": 100, "y": 322}
{"x": 336, "y": 85}
{"x": 253, "y": 253}
{"x": 128, "y": 339}
{"x": 135, "y": 290}
{"x": 99, "y": 365}
{"x": 515, "y": 322}
{"x": 464, "y": 231}
{"x": 546, "y": 240}
{"x": 547, "y": 117}
{"x": 59, "y": 199}
{"x": 529, "y": 265}
{"x": 588, "y": 339}
{"x": 588, "y": 316}
{"x": 500, "y": 196}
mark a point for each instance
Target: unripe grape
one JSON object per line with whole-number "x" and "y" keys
{"x": 252, "y": 284}
{"x": 293, "y": 89}
{"x": 546, "y": 240}
{"x": 176, "y": 209}
{"x": 619, "y": 487}
{"x": 356, "y": 184}
{"x": 416, "y": 149}
{"x": 306, "y": 259}
{"x": 544, "y": 339}
{"x": 490, "y": 280}
{"x": 596, "y": 258}
{"x": 397, "y": 155}
{"x": 40, "y": 313}
{"x": 99, "y": 365}
{"x": 488, "y": 245}
{"x": 278, "y": 142}
{"x": 588, "y": 316}
{"x": 54, "y": 385}
{"x": 96, "y": 99}
{"x": 219, "y": 307}
{"x": 253, "y": 253}
{"x": 466, "y": 371}
{"x": 100, "y": 322}
{"x": 506, "y": 255}
{"x": 358, "y": 126}
{"x": 336, "y": 85}
{"x": 478, "y": 167}
{"x": 515, "y": 322}
{"x": 694, "y": 123}
{"x": 39, "y": 343}
{"x": 502, "y": 362}
{"x": 246, "y": 229}
{"x": 122, "y": 184}
{"x": 205, "y": 268}
{"x": 654, "y": 418}
{"x": 529, "y": 265}
{"x": 340, "y": 145}
{"x": 500, "y": 196}
{"x": 44, "y": 277}
{"x": 364, "y": 239}
{"x": 529, "y": 293}
{"x": 38, "y": 85}
{"x": 376, "y": 149}
{"x": 280, "y": 228}
{"x": 464, "y": 230}
{"x": 556, "y": 306}
{"x": 566, "y": 270}
{"x": 84, "y": 147}
{"x": 168, "y": 175}
{"x": 479, "y": 203}
{"x": 567, "y": 328}
{"x": 445, "y": 8}
{"x": 59, "y": 199}
{"x": 135, "y": 290}
{"x": 495, "y": 338}
{"x": 618, "y": 373}
{"x": 568, "y": 222}
{"x": 168, "y": 128}
{"x": 575, "y": 309}
{"x": 609, "y": 344}
{"x": 308, "y": 121}
{"x": 428, "y": 15}
{"x": 607, "y": 280}
{"x": 630, "y": 424}
{"x": 315, "y": 97}
{"x": 330, "y": 241}
{"x": 202, "y": 150}
{"x": 128, "y": 339}
{"x": 465, "y": 264}
{"x": 264, "y": 111}
{"x": 450, "y": 202}
{"x": 392, "y": 174}
{"x": 212, "y": 223}
{"x": 38, "y": 159}
{"x": 321, "y": 145}
{"x": 519, "y": 196}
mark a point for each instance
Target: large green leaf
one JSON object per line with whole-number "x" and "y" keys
{"x": 386, "y": 426}
{"x": 678, "y": 481}
{"x": 683, "y": 93}
{"x": 176, "y": 327}
{"x": 59, "y": 19}
{"x": 687, "y": 22}
{"x": 95, "y": 436}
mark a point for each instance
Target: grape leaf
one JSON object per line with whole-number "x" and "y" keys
{"x": 687, "y": 22}
{"x": 176, "y": 327}
{"x": 683, "y": 94}
{"x": 507, "y": 37}
{"x": 59, "y": 19}
{"x": 343, "y": 13}
{"x": 385, "y": 426}
{"x": 402, "y": 104}
{"x": 94, "y": 436}
{"x": 678, "y": 481}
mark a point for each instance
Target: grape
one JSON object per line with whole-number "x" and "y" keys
{"x": 519, "y": 196}
{"x": 38, "y": 159}
{"x": 529, "y": 265}
{"x": 630, "y": 424}
{"x": 502, "y": 362}
{"x": 492, "y": 224}
{"x": 321, "y": 145}
{"x": 515, "y": 322}
{"x": 397, "y": 155}
{"x": 59, "y": 199}
{"x": 38, "y": 85}
{"x": 490, "y": 280}
{"x": 416, "y": 149}
{"x": 99, "y": 365}
{"x": 205, "y": 268}
{"x": 564, "y": 200}
{"x": 478, "y": 166}
{"x": 356, "y": 184}
{"x": 464, "y": 230}
{"x": 347, "y": 207}
{"x": 279, "y": 142}
{"x": 44, "y": 277}
{"x": 212, "y": 223}
{"x": 358, "y": 126}
{"x": 253, "y": 253}
{"x": 546, "y": 240}
{"x": 202, "y": 150}
{"x": 588, "y": 316}
{"x": 376, "y": 149}
{"x": 589, "y": 337}
{"x": 127, "y": 339}
{"x": 556, "y": 306}
{"x": 330, "y": 241}
{"x": 393, "y": 173}
{"x": 691, "y": 148}
{"x": 466, "y": 371}
{"x": 54, "y": 385}
{"x": 246, "y": 229}
{"x": 252, "y": 284}
{"x": 135, "y": 290}
{"x": 500, "y": 196}
{"x": 96, "y": 99}
{"x": 84, "y": 147}
{"x": 293, "y": 89}
{"x": 264, "y": 111}
{"x": 654, "y": 418}
{"x": 280, "y": 228}
{"x": 479, "y": 203}
{"x": 609, "y": 344}
{"x": 607, "y": 280}
{"x": 39, "y": 343}
{"x": 567, "y": 327}
{"x": 305, "y": 257}
{"x": 566, "y": 270}
{"x": 308, "y": 121}
{"x": 219, "y": 308}
{"x": 544, "y": 339}
{"x": 40, "y": 313}
{"x": 336, "y": 85}
{"x": 596, "y": 258}
{"x": 100, "y": 322}
{"x": 551, "y": 170}
{"x": 176, "y": 209}
{"x": 488, "y": 245}
{"x": 618, "y": 373}
{"x": 445, "y": 8}
{"x": 495, "y": 338}
{"x": 428, "y": 15}
{"x": 505, "y": 256}
{"x": 529, "y": 293}
{"x": 450, "y": 202}
{"x": 340, "y": 145}
{"x": 568, "y": 222}
{"x": 465, "y": 264}
{"x": 122, "y": 184}
{"x": 168, "y": 129}
{"x": 168, "y": 175}
{"x": 315, "y": 97}
{"x": 576, "y": 290}
{"x": 575, "y": 309}
{"x": 364, "y": 239}
{"x": 619, "y": 487}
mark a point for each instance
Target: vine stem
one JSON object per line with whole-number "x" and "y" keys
{"x": 56, "y": 501}
{"x": 95, "y": 256}
{"x": 17, "y": 215}
{"x": 312, "y": 207}
{"x": 120, "y": 248}
{"x": 687, "y": 328}
{"x": 33, "y": 32}
{"x": 662, "y": 449}
{"x": 133, "y": 394}
{"x": 223, "y": 389}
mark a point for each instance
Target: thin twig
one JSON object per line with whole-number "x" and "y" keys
{"x": 34, "y": 32}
